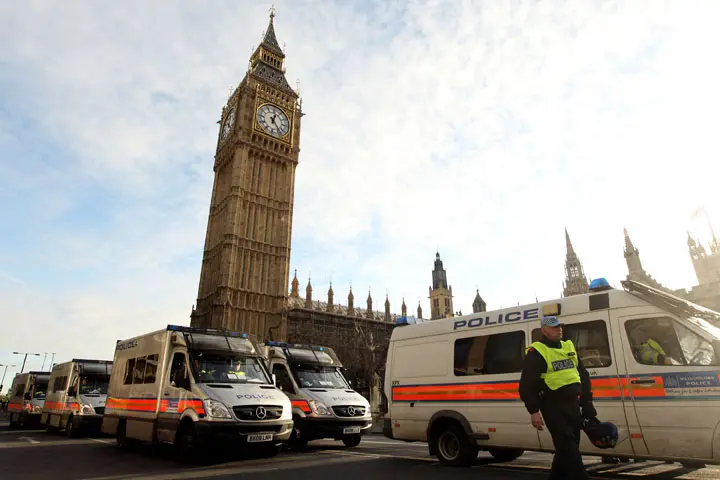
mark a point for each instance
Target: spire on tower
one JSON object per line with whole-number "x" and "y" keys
{"x": 575, "y": 281}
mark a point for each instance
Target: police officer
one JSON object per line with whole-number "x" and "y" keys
{"x": 555, "y": 382}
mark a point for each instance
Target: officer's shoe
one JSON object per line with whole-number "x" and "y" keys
{"x": 610, "y": 459}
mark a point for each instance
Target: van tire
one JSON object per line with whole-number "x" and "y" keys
{"x": 121, "y": 436}
{"x": 70, "y": 428}
{"x": 452, "y": 446}
{"x": 185, "y": 447}
{"x": 351, "y": 441}
{"x": 505, "y": 454}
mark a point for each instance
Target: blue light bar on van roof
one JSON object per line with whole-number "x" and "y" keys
{"x": 294, "y": 345}
{"x": 599, "y": 284}
{"x": 209, "y": 331}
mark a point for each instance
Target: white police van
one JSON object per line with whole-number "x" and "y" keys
{"x": 324, "y": 403}
{"x": 454, "y": 382}
{"x": 195, "y": 387}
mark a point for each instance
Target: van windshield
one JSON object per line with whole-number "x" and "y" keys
{"x": 40, "y": 390}
{"x": 214, "y": 368}
{"x": 319, "y": 376}
{"x": 93, "y": 385}
{"x": 708, "y": 327}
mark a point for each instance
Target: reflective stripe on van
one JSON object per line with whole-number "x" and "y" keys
{"x": 170, "y": 405}
{"x": 668, "y": 386}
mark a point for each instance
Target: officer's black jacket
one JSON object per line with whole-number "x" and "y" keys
{"x": 532, "y": 387}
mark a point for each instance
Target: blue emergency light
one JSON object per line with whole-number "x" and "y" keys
{"x": 599, "y": 284}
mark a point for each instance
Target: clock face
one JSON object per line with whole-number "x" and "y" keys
{"x": 227, "y": 126}
{"x": 273, "y": 120}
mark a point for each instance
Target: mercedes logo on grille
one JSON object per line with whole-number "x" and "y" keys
{"x": 351, "y": 411}
{"x": 260, "y": 412}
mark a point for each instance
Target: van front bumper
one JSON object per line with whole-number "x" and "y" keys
{"x": 245, "y": 432}
{"x": 312, "y": 428}
{"x": 87, "y": 422}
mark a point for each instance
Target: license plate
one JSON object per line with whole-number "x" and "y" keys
{"x": 260, "y": 437}
{"x": 351, "y": 430}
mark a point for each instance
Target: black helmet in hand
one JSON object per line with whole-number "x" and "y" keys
{"x": 601, "y": 434}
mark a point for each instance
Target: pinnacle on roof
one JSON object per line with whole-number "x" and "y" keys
{"x": 568, "y": 243}
{"x": 270, "y": 40}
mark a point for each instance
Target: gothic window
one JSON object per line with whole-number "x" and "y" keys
{"x": 573, "y": 271}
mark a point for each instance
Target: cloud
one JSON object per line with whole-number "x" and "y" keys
{"x": 476, "y": 129}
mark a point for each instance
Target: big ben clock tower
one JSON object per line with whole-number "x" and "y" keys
{"x": 245, "y": 266}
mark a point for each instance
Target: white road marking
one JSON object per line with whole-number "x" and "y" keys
{"x": 397, "y": 444}
{"x": 10, "y": 432}
{"x": 29, "y": 439}
{"x": 100, "y": 440}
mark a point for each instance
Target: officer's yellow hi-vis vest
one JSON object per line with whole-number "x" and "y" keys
{"x": 561, "y": 362}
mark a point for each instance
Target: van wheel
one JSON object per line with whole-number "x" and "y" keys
{"x": 70, "y": 428}
{"x": 185, "y": 442}
{"x": 351, "y": 440}
{"x": 296, "y": 443}
{"x": 121, "y": 436}
{"x": 505, "y": 454}
{"x": 452, "y": 446}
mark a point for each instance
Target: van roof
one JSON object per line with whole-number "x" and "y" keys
{"x": 635, "y": 293}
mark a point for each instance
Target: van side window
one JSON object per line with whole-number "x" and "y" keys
{"x": 19, "y": 390}
{"x": 59, "y": 384}
{"x": 490, "y": 354}
{"x": 284, "y": 382}
{"x": 141, "y": 370}
{"x": 664, "y": 341}
{"x": 590, "y": 340}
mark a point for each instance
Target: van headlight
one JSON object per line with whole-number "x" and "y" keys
{"x": 320, "y": 409}
{"x": 216, "y": 409}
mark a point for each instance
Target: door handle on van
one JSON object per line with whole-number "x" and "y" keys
{"x": 643, "y": 381}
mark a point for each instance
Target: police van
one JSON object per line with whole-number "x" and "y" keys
{"x": 324, "y": 403}
{"x": 190, "y": 387}
{"x": 76, "y": 396}
{"x": 454, "y": 382}
{"x": 27, "y": 396}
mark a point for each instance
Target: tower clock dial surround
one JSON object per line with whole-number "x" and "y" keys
{"x": 273, "y": 120}
{"x": 228, "y": 124}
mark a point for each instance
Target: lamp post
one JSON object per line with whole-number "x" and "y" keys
{"x": 2, "y": 382}
{"x": 25, "y": 359}
{"x": 44, "y": 360}
{"x": 52, "y": 360}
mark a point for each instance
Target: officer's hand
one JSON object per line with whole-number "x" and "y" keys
{"x": 536, "y": 420}
{"x": 588, "y": 411}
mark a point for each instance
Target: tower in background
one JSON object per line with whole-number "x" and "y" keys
{"x": 575, "y": 281}
{"x": 245, "y": 266}
{"x": 441, "y": 305}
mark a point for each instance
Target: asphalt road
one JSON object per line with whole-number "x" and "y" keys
{"x": 35, "y": 454}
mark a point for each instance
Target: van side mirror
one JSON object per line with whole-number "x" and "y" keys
{"x": 27, "y": 396}
{"x": 72, "y": 392}
{"x": 274, "y": 379}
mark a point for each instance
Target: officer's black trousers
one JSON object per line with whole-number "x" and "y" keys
{"x": 563, "y": 420}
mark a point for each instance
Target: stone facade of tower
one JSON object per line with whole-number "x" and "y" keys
{"x": 441, "y": 298}
{"x": 245, "y": 266}
{"x": 575, "y": 281}
{"x": 707, "y": 266}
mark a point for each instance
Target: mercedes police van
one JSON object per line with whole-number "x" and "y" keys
{"x": 76, "y": 396}
{"x": 324, "y": 403}
{"x": 191, "y": 386}
{"x": 27, "y": 396}
{"x": 454, "y": 382}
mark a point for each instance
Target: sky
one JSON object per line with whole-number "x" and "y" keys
{"x": 477, "y": 129}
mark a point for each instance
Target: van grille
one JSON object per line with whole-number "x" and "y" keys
{"x": 349, "y": 411}
{"x": 255, "y": 412}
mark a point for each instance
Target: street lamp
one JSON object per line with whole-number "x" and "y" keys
{"x": 2, "y": 382}
{"x": 25, "y": 359}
